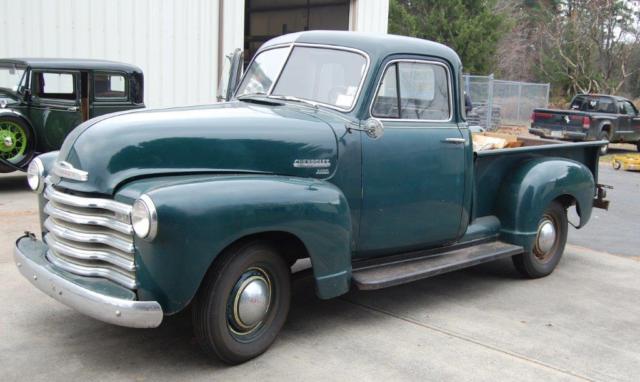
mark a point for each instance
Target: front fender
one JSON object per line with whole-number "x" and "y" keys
{"x": 526, "y": 193}
{"x": 198, "y": 217}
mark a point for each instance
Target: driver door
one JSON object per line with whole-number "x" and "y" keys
{"x": 55, "y": 105}
{"x": 413, "y": 176}
{"x": 231, "y": 74}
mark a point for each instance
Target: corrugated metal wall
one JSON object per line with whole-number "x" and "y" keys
{"x": 179, "y": 44}
{"x": 369, "y": 16}
{"x": 175, "y": 42}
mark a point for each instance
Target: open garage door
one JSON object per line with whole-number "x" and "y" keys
{"x": 265, "y": 19}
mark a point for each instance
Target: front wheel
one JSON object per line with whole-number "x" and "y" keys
{"x": 243, "y": 303}
{"x": 16, "y": 143}
{"x": 548, "y": 246}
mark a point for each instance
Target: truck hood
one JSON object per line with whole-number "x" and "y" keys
{"x": 234, "y": 137}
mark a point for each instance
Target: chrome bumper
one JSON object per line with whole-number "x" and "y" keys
{"x": 111, "y": 304}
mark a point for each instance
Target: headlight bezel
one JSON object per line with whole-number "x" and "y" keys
{"x": 36, "y": 168}
{"x": 144, "y": 218}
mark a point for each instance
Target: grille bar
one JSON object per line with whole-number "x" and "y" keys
{"x": 77, "y": 201}
{"x": 77, "y": 218}
{"x": 85, "y": 253}
{"x": 91, "y": 271}
{"x": 68, "y": 232}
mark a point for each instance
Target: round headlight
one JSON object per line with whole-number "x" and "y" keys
{"x": 144, "y": 218}
{"x": 35, "y": 173}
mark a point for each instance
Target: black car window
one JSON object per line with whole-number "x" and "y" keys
{"x": 110, "y": 85}
{"x": 54, "y": 85}
{"x": 423, "y": 88}
{"x": 629, "y": 108}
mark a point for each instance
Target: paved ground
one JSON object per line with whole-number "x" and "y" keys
{"x": 617, "y": 230}
{"x": 485, "y": 323}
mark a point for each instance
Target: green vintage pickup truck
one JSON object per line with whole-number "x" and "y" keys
{"x": 348, "y": 149}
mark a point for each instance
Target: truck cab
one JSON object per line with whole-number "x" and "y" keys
{"x": 42, "y": 100}
{"x": 347, "y": 149}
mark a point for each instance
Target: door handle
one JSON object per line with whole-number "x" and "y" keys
{"x": 72, "y": 108}
{"x": 455, "y": 140}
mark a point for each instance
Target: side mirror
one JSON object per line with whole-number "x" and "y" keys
{"x": 374, "y": 128}
{"x": 468, "y": 104}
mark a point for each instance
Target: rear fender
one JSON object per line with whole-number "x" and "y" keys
{"x": 526, "y": 193}
{"x": 199, "y": 217}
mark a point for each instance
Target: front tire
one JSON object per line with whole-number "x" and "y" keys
{"x": 548, "y": 246}
{"x": 243, "y": 303}
{"x": 16, "y": 143}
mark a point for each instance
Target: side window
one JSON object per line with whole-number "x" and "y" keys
{"x": 54, "y": 85}
{"x": 386, "y": 104}
{"x": 109, "y": 85}
{"x": 629, "y": 108}
{"x": 606, "y": 105}
{"x": 423, "y": 89}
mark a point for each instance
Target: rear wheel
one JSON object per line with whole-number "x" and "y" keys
{"x": 638, "y": 146}
{"x": 548, "y": 246}
{"x": 16, "y": 143}
{"x": 604, "y": 136}
{"x": 243, "y": 303}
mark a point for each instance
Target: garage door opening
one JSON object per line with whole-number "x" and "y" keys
{"x": 265, "y": 19}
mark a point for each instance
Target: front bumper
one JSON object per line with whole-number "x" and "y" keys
{"x": 97, "y": 298}
{"x": 559, "y": 134}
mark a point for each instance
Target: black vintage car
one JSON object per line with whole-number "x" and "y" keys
{"x": 590, "y": 117}
{"x": 42, "y": 100}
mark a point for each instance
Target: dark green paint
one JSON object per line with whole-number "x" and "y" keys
{"x": 219, "y": 173}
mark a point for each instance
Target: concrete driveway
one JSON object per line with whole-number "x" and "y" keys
{"x": 484, "y": 323}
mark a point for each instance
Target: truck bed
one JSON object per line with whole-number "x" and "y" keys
{"x": 491, "y": 166}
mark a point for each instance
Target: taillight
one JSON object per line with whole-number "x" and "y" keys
{"x": 586, "y": 122}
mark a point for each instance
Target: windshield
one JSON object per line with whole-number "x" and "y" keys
{"x": 323, "y": 75}
{"x": 10, "y": 77}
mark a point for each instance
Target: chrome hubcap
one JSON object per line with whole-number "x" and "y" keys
{"x": 545, "y": 239}
{"x": 253, "y": 302}
{"x": 8, "y": 142}
{"x": 250, "y": 301}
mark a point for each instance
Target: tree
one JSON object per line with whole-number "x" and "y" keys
{"x": 471, "y": 27}
{"x": 587, "y": 46}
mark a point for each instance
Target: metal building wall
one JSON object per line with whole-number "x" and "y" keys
{"x": 175, "y": 42}
{"x": 369, "y": 16}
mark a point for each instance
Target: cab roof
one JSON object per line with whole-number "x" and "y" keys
{"x": 71, "y": 64}
{"x": 376, "y": 45}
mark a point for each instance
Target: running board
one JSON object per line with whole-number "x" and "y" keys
{"x": 401, "y": 272}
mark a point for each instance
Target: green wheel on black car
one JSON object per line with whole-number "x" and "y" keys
{"x": 16, "y": 143}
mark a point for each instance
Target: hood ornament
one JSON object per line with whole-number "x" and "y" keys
{"x": 66, "y": 170}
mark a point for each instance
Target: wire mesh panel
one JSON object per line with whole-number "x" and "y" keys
{"x": 499, "y": 102}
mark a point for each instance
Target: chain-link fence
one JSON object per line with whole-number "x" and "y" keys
{"x": 499, "y": 102}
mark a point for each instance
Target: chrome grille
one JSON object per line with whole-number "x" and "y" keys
{"x": 90, "y": 236}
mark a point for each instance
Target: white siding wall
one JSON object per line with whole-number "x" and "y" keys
{"x": 179, "y": 44}
{"x": 175, "y": 42}
{"x": 369, "y": 16}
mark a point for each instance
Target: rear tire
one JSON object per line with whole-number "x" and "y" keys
{"x": 548, "y": 247}
{"x": 604, "y": 136}
{"x": 638, "y": 146}
{"x": 243, "y": 303}
{"x": 17, "y": 143}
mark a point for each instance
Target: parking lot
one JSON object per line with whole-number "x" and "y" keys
{"x": 484, "y": 323}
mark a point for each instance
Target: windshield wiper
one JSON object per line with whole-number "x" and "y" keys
{"x": 257, "y": 98}
{"x": 294, "y": 99}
